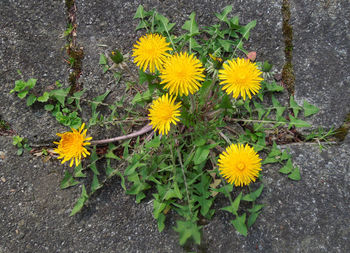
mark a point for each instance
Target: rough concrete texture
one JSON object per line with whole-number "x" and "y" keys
{"x": 31, "y": 40}
{"x": 306, "y": 216}
{"x": 321, "y": 58}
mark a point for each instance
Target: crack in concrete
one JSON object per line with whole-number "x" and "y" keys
{"x": 288, "y": 77}
{"x": 343, "y": 130}
{"x": 75, "y": 53}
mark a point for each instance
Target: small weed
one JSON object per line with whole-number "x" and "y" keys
{"x": 21, "y": 144}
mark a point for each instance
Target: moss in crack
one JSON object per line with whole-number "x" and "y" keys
{"x": 343, "y": 131}
{"x": 75, "y": 53}
{"x": 287, "y": 72}
{"x": 69, "y": 4}
{"x": 76, "y": 56}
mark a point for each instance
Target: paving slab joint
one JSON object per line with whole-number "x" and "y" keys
{"x": 288, "y": 77}
{"x": 343, "y": 130}
{"x": 75, "y": 53}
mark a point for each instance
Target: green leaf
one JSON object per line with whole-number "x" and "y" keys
{"x": 49, "y": 107}
{"x": 31, "y": 99}
{"x": 60, "y": 95}
{"x": 20, "y": 151}
{"x": 266, "y": 67}
{"x": 239, "y": 224}
{"x": 93, "y": 159}
{"x": 226, "y": 44}
{"x": 255, "y": 208}
{"x": 252, "y": 219}
{"x": 201, "y": 154}
{"x": 223, "y": 16}
{"x": 245, "y": 30}
{"x": 141, "y": 25}
{"x": 253, "y": 195}
{"x": 44, "y": 97}
{"x": 80, "y": 202}
{"x": 68, "y": 181}
{"x": 22, "y": 94}
{"x": 165, "y": 26}
{"x": 261, "y": 111}
{"x": 187, "y": 230}
{"x": 297, "y": 122}
{"x": 140, "y": 12}
{"x": 191, "y": 25}
{"x": 295, "y": 175}
{"x": 286, "y": 169}
{"x": 309, "y": 109}
{"x": 103, "y": 60}
{"x": 143, "y": 77}
{"x": 233, "y": 208}
{"x": 97, "y": 100}
{"x": 78, "y": 171}
{"x": 158, "y": 207}
{"x": 296, "y": 108}
{"x": 160, "y": 222}
{"x": 31, "y": 83}
{"x": 95, "y": 185}
{"x": 132, "y": 167}
{"x": 19, "y": 85}
{"x": 236, "y": 203}
{"x": 155, "y": 143}
{"x": 279, "y": 109}
{"x": 273, "y": 87}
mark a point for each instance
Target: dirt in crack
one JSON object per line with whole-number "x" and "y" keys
{"x": 287, "y": 72}
{"x": 75, "y": 53}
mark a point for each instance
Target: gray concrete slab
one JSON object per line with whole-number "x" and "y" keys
{"x": 31, "y": 40}
{"x": 321, "y": 58}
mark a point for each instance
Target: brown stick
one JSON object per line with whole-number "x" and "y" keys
{"x": 142, "y": 131}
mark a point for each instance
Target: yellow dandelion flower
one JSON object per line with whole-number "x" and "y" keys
{"x": 71, "y": 145}
{"x": 181, "y": 74}
{"x": 239, "y": 164}
{"x": 151, "y": 51}
{"x": 240, "y": 77}
{"x": 163, "y": 112}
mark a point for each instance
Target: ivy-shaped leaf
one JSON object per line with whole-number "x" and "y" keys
{"x": 309, "y": 109}
{"x": 239, "y": 224}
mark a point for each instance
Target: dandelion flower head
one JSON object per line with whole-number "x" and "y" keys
{"x": 72, "y": 145}
{"x": 163, "y": 112}
{"x": 239, "y": 164}
{"x": 182, "y": 74}
{"x": 240, "y": 77}
{"x": 151, "y": 51}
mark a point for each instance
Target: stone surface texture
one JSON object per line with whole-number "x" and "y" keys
{"x": 321, "y": 58}
{"x": 311, "y": 215}
{"x": 31, "y": 40}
